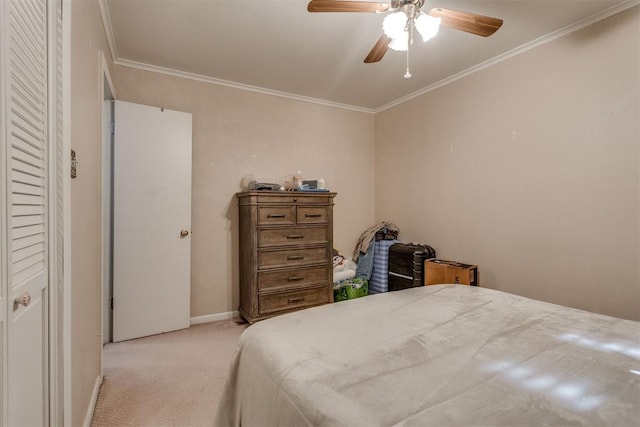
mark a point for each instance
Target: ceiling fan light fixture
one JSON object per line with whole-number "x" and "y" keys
{"x": 400, "y": 43}
{"x": 427, "y": 26}
{"x": 395, "y": 24}
{"x": 406, "y": 16}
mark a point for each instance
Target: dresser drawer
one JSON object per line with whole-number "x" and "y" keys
{"x": 269, "y": 215}
{"x": 312, "y": 215}
{"x": 292, "y": 236}
{"x": 294, "y": 198}
{"x": 280, "y": 301}
{"x": 292, "y": 257}
{"x": 298, "y": 277}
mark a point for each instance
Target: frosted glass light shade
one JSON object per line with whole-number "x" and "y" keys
{"x": 394, "y": 24}
{"x": 427, "y": 26}
{"x": 400, "y": 43}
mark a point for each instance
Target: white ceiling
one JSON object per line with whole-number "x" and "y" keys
{"x": 278, "y": 46}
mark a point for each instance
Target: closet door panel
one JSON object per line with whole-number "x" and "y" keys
{"x": 25, "y": 170}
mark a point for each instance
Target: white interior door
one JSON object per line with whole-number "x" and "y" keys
{"x": 24, "y": 195}
{"x": 152, "y": 206}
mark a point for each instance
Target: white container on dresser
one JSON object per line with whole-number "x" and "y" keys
{"x": 286, "y": 243}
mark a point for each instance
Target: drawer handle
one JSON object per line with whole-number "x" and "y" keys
{"x": 295, "y": 278}
{"x": 296, "y": 299}
{"x": 295, "y": 236}
{"x": 312, "y": 215}
{"x": 294, "y": 257}
{"x": 275, "y": 215}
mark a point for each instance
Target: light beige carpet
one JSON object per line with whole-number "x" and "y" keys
{"x": 172, "y": 379}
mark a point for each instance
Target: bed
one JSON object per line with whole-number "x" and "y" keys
{"x": 444, "y": 355}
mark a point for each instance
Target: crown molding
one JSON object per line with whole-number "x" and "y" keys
{"x": 108, "y": 29}
{"x": 106, "y": 20}
{"x": 621, "y": 7}
{"x": 236, "y": 85}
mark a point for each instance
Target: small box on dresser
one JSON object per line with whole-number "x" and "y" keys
{"x": 439, "y": 271}
{"x": 286, "y": 242}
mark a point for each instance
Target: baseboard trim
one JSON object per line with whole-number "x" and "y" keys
{"x": 214, "y": 317}
{"x": 92, "y": 402}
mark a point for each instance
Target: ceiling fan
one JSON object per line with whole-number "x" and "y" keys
{"x": 405, "y": 17}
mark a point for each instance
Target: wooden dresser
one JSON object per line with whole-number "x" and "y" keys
{"x": 286, "y": 243}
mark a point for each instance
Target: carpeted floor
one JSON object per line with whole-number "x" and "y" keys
{"x": 172, "y": 379}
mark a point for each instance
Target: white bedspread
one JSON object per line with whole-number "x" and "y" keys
{"x": 436, "y": 356}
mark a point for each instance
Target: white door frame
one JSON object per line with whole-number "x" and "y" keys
{"x": 64, "y": 303}
{"x": 108, "y": 93}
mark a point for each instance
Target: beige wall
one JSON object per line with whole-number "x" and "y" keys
{"x": 529, "y": 168}
{"x": 237, "y": 132}
{"x": 87, "y": 39}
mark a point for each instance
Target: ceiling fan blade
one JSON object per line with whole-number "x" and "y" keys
{"x": 345, "y": 6}
{"x": 378, "y": 51}
{"x": 469, "y": 22}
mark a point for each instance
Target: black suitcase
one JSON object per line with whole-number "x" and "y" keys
{"x": 406, "y": 265}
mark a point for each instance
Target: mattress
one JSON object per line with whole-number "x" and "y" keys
{"x": 443, "y": 355}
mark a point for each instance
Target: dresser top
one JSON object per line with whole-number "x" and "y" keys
{"x": 285, "y": 197}
{"x": 285, "y": 193}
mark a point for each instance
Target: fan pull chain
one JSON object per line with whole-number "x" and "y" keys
{"x": 407, "y": 75}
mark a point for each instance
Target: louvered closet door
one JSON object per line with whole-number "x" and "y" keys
{"x": 26, "y": 167}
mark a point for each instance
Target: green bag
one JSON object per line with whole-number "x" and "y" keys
{"x": 350, "y": 289}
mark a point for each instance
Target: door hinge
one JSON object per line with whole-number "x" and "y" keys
{"x": 111, "y": 303}
{"x": 112, "y": 127}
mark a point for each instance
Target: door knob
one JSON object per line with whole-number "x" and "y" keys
{"x": 184, "y": 233}
{"x": 23, "y": 300}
